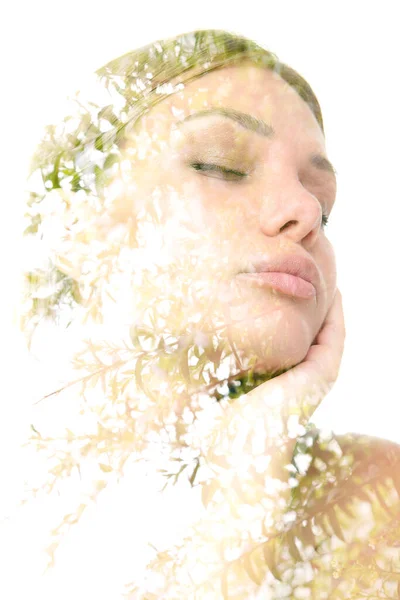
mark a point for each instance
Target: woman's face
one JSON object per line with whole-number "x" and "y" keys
{"x": 233, "y": 190}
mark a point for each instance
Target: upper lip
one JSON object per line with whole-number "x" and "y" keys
{"x": 293, "y": 264}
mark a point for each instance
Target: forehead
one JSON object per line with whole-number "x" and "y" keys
{"x": 247, "y": 88}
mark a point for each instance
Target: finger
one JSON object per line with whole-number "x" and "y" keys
{"x": 334, "y": 325}
{"x": 307, "y": 384}
{"x": 300, "y": 390}
{"x": 328, "y": 350}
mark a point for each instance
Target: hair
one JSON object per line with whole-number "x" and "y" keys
{"x": 68, "y": 156}
{"x": 187, "y": 57}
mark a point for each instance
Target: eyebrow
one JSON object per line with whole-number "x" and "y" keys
{"x": 258, "y": 126}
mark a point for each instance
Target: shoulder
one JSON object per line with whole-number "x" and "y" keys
{"x": 347, "y": 503}
{"x": 348, "y": 466}
{"x": 357, "y": 453}
{"x": 354, "y": 477}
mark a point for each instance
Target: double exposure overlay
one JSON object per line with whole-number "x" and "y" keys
{"x": 162, "y": 214}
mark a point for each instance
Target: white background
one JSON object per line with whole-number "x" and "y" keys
{"x": 347, "y": 51}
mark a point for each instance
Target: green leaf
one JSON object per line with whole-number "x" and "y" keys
{"x": 334, "y": 522}
{"x": 76, "y": 183}
{"x": 214, "y": 355}
{"x": 108, "y": 114}
{"x": 251, "y": 570}
{"x": 98, "y": 143}
{"x": 138, "y": 373}
{"x": 346, "y": 507}
{"x": 193, "y": 475}
{"x": 224, "y": 585}
{"x": 183, "y": 467}
{"x": 53, "y": 177}
{"x": 269, "y": 553}
{"x": 196, "y": 351}
{"x": 294, "y": 551}
{"x": 381, "y": 500}
{"x": 105, "y": 141}
{"x": 36, "y": 431}
{"x": 110, "y": 160}
{"x": 100, "y": 179}
{"x": 166, "y": 362}
{"x": 105, "y": 468}
{"x": 136, "y": 332}
{"x": 183, "y": 364}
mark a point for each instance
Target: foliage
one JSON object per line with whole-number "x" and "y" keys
{"x": 326, "y": 544}
{"x": 170, "y": 375}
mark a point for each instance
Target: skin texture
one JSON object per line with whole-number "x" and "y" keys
{"x": 209, "y": 227}
{"x": 220, "y": 221}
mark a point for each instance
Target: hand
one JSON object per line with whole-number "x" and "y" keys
{"x": 286, "y": 400}
{"x": 303, "y": 386}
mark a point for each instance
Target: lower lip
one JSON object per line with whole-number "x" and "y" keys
{"x": 282, "y": 282}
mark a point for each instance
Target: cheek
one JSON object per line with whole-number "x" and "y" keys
{"x": 326, "y": 259}
{"x": 215, "y": 209}
{"x": 187, "y": 204}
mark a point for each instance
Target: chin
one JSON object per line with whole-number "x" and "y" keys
{"x": 277, "y": 341}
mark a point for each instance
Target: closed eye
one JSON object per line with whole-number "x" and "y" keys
{"x": 218, "y": 172}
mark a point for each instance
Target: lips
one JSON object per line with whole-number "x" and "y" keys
{"x": 291, "y": 274}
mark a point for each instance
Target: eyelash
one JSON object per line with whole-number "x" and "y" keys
{"x": 219, "y": 169}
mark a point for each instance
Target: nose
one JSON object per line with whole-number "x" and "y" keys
{"x": 290, "y": 210}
